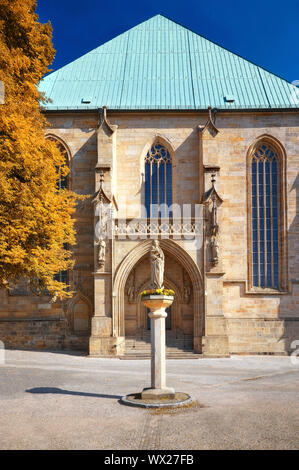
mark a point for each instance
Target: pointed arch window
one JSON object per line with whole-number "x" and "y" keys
{"x": 62, "y": 183}
{"x": 265, "y": 187}
{"x": 63, "y": 180}
{"x": 158, "y": 182}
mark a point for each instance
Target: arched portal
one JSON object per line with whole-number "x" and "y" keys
{"x": 122, "y": 289}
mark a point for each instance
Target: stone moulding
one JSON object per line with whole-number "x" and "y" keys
{"x": 146, "y": 227}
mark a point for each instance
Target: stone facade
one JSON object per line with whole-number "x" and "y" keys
{"x": 214, "y": 302}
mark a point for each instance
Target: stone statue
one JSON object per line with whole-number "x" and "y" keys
{"x": 214, "y": 233}
{"x": 187, "y": 293}
{"x": 214, "y": 223}
{"x": 131, "y": 289}
{"x": 214, "y": 251}
{"x": 157, "y": 266}
{"x": 102, "y": 252}
{"x": 131, "y": 294}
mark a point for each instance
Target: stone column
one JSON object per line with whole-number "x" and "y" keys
{"x": 157, "y": 305}
{"x": 215, "y": 341}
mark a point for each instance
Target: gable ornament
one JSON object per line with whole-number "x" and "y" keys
{"x": 211, "y": 123}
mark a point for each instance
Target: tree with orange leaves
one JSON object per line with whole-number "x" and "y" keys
{"x": 36, "y": 223}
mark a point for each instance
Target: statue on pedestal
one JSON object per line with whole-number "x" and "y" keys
{"x": 102, "y": 252}
{"x": 186, "y": 294}
{"x": 215, "y": 251}
{"x": 157, "y": 266}
{"x": 131, "y": 288}
{"x": 214, "y": 233}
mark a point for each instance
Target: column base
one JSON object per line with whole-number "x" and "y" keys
{"x": 197, "y": 344}
{"x": 106, "y": 347}
{"x": 157, "y": 393}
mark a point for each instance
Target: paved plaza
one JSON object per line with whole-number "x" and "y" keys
{"x": 69, "y": 401}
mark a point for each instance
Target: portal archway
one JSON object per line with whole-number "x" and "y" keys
{"x": 125, "y": 268}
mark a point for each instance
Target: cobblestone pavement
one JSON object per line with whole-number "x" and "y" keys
{"x": 69, "y": 401}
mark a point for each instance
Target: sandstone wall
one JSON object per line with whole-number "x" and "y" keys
{"x": 256, "y": 323}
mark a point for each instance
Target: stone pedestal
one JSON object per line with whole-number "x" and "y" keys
{"x": 215, "y": 342}
{"x": 101, "y": 341}
{"x": 157, "y": 305}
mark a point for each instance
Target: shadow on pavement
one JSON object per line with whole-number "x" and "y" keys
{"x": 60, "y": 391}
{"x": 65, "y": 352}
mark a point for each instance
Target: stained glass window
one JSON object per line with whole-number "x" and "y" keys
{"x": 158, "y": 182}
{"x": 265, "y": 218}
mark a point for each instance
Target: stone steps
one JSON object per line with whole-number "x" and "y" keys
{"x": 170, "y": 355}
{"x": 147, "y": 346}
{"x": 143, "y": 352}
{"x": 178, "y": 346}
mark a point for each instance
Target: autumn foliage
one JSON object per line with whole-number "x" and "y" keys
{"x": 36, "y": 222}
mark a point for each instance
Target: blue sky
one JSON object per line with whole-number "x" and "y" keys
{"x": 264, "y": 31}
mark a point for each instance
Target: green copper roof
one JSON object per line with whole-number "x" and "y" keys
{"x": 159, "y": 64}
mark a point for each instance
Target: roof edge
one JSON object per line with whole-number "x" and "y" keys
{"x": 185, "y": 111}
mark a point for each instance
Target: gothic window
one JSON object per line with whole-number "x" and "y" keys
{"x": 265, "y": 217}
{"x": 63, "y": 276}
{"x": 63, "y": 181}
{"x": 158, "y": 182}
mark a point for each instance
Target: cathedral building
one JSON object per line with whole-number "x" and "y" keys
{"x": 179, "y": 140}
